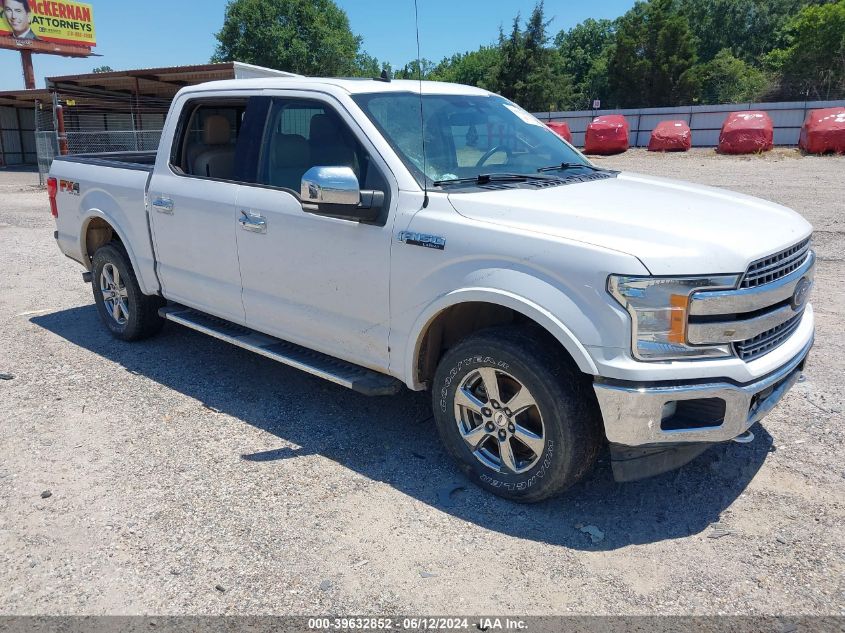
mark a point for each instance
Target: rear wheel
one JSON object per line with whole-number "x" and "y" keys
{"x": 519, "y": 419}
{"x": 129, "y": 314}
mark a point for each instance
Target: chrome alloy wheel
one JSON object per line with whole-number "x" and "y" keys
{"x": 115, "y": 295}
{"x": 500, "y": 421}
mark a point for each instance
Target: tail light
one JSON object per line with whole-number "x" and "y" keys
{"x": 52, "y": 190}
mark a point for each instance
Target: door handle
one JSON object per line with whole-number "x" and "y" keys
{"x": 252, "y": 222}
{"x": 163, "y": 205}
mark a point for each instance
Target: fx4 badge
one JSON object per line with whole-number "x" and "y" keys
{"x": 423, "y": 239}
{"x": 68, "y": 186}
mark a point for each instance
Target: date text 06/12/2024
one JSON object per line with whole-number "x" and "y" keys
{"x": 416, "y": 624}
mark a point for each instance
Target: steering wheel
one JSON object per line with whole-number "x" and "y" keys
{"x": 490, "y": 152}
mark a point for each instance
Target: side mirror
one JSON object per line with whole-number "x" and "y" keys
{"x": 334, "y": 192}
{"x": 336, "y": 186}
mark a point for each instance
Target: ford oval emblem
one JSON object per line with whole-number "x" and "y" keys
{"x": 802, "y": 291}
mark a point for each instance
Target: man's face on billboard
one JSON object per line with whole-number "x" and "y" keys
{"x": 17, "y": 16}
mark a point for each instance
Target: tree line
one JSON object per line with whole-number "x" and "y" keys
{"x": 659, "y": 53}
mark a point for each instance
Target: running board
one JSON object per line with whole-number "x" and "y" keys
{"x": 360, "y": 379}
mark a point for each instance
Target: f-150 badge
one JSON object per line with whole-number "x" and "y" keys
{"x": 423, "y": 239}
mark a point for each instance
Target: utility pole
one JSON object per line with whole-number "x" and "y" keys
{"x": 28, "y": 70}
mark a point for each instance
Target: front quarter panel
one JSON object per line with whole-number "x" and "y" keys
{"x": 559, "y": 284}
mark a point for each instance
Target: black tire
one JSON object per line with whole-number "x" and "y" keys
{"x": 142, "y": 320}
{"x": 569, "y": 417}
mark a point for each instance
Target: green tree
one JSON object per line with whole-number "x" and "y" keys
{"x": 412, "y": 69}
{"x": 654, "y": 47}
{"x": 812, "y": 58}
{"x": 724, "y": 79}
{"x": 529, "y": 72}
{"x": 583, "y": 52}
{"x": 103, "y": 69}
{"x": 475, "y": 68}
{"x": 747, "y": 28}
{"x": 368, "y": 66}
{"x": 310, "y": 37}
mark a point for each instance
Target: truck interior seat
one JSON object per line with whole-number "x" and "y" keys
{"x": 331, "y": 145}
{"x": 290, "y": 158}
{"x": 217, "y": 159}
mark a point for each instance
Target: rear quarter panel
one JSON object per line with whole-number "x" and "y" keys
{"x": 118, "y": 196}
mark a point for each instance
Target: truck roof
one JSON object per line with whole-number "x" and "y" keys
{"x": 349, "y": 85}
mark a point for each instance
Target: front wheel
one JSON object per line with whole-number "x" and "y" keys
{"x": 129, "y": 314}
{"x": 520, "y": 421}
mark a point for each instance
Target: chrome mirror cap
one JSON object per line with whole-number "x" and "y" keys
{"x": 330, "y": 185}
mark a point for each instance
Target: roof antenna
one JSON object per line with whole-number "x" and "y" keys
{"x": 422, "y": 118}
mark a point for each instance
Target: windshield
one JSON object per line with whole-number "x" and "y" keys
{"x": 465, "y": 136}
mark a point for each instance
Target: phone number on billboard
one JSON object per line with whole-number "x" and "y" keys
{"x": 385, "y": 624}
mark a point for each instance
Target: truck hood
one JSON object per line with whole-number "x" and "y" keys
{"x": 673, "y": 227}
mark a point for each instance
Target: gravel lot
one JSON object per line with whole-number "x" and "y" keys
{"x": 190, "y": 477}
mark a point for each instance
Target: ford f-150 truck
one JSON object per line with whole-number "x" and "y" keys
{"x": 437, "y": 236}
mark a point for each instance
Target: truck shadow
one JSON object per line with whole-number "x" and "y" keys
{"x": 394, "y": 440}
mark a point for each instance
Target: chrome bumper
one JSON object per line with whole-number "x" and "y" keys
{"x": 634, "y": 415}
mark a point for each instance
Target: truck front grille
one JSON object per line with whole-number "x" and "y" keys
{"x": 765, "y": 342}
{"x": 776, "y": 266}
{"x": 763, "y": 312}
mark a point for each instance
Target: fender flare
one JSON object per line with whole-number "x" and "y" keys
{"x": 92, "y": 214}
{"x": 505, "y": 298}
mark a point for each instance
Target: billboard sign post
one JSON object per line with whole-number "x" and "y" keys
{"x": 51, "y": 27}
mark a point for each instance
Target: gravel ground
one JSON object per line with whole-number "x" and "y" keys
{"x": 189, "y": 477}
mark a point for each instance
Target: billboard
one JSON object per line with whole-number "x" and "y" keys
{"x": 29, "y": 23}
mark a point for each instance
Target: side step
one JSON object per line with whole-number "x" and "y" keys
{"x": 360, "y": 379}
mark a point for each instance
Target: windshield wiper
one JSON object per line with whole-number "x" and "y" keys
{"x": 483, "y": 179}
{"x": 565, "y": 166}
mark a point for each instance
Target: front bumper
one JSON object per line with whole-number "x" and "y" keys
{"x": 640, "y": 415}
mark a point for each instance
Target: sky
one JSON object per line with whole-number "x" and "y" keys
{"x": 158, "y": 33}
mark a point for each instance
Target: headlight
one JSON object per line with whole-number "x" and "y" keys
{"x": 659, "y": 309}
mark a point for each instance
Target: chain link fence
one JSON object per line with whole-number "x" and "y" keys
{"x": 93, "y": 141}
{"x": 46, "y": 139}
{"x": 88, "y": 122}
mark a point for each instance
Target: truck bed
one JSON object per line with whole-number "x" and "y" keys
{"x": 142, "y": 161}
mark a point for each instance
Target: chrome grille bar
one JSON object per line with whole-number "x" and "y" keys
{"x": 775, "y": 266}
{"x": 738, "y": 330}
{"x": 767, "y": 341}
{"x": 709, "y": 302}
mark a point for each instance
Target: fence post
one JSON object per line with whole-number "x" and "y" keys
{"x": 803, "y": 119}
{"x": 60, "y": 120}
{"x": 3, "y": 151}
{"x": 639, "y": 120}
{"x": 134, "y": 131}
{"x": 133, "y": 112}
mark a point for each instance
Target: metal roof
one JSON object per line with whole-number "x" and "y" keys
{"x": 158, "y": 82}
{"x": 25, "y": 98}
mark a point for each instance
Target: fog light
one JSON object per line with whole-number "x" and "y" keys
{"x": 669, "y": 409}
{"x": 697, "y": 413}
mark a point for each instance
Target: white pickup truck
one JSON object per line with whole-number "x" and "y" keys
{"x": 381, "y": 233}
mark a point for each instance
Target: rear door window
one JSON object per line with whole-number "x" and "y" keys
{"x": 208, "y": 141}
